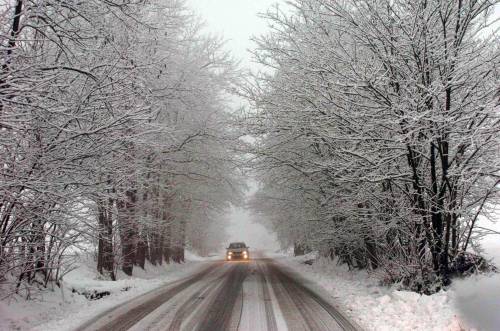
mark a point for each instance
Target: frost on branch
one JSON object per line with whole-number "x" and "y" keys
{"x": 377, "y": 132}
{"x": 113, "y": 137}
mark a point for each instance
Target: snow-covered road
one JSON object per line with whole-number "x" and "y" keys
{"x": 255, "y": 295}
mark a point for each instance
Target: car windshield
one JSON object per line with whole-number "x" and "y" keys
{"x": 237, "y": 245}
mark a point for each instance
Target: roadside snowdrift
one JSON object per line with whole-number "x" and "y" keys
{"x": 373, "y": 306}
{"x": 470, "y": 304}
{"x": 65, "y": 309}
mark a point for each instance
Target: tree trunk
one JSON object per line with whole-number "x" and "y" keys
{"x": 167, "y": 251}
{"x": 371, "y": 249}
{"x": 298, "y": 249}
{"x": 140, "y": 257}
{"x": 128, "y": 231}
{"x": 105, "y": 256}
{"x": 156, "y": 248}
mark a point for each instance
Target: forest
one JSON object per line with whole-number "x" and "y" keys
{"x": 114, "y": 137}
{"x": 372, "y": 129}
{"x": 377, "y": 127}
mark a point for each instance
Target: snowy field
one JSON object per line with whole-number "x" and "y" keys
{"x": 62, "y": 309}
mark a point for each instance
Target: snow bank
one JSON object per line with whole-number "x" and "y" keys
{"x": 375, "y": 307}
{"x": 190, "y": 256}
{"x": 65, "y": 309}
{"x": 478, "y": 298}
{"x": 478, "y": 301}
{"x": 472, "y": 303}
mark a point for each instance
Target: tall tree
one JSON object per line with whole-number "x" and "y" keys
{"x": 379, "y": 117}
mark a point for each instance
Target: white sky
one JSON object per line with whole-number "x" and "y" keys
{"x": 236, "y": 20}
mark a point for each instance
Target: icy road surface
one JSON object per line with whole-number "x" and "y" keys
{"x": 249, "y": 296}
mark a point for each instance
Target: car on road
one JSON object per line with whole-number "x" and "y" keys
{"x": 237, "y": 251}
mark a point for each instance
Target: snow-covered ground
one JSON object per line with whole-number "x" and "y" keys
{"x": 375, "y": 307}
{"x": 477, "y": 299}
{"x": 469, "y": 304}
{"x": 62, "y": 309}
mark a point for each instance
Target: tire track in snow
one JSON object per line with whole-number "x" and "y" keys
{"x": 270, "y": 316}
{"x": 258, "y": 294}
{"x": 220, "y": 315}
{"x": 311, "y": 306}
{"x": 123, "y": 318}
{"x": 291, "y": 313}
{"x": 192, "y": 303}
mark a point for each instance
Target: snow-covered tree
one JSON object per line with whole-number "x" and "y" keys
{"x": 113, "y": 131}
{"x": 378, "y": 122}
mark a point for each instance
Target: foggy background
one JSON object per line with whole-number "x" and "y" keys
{"x": 236, "y": 21}
{"x": 244, "y": 227}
